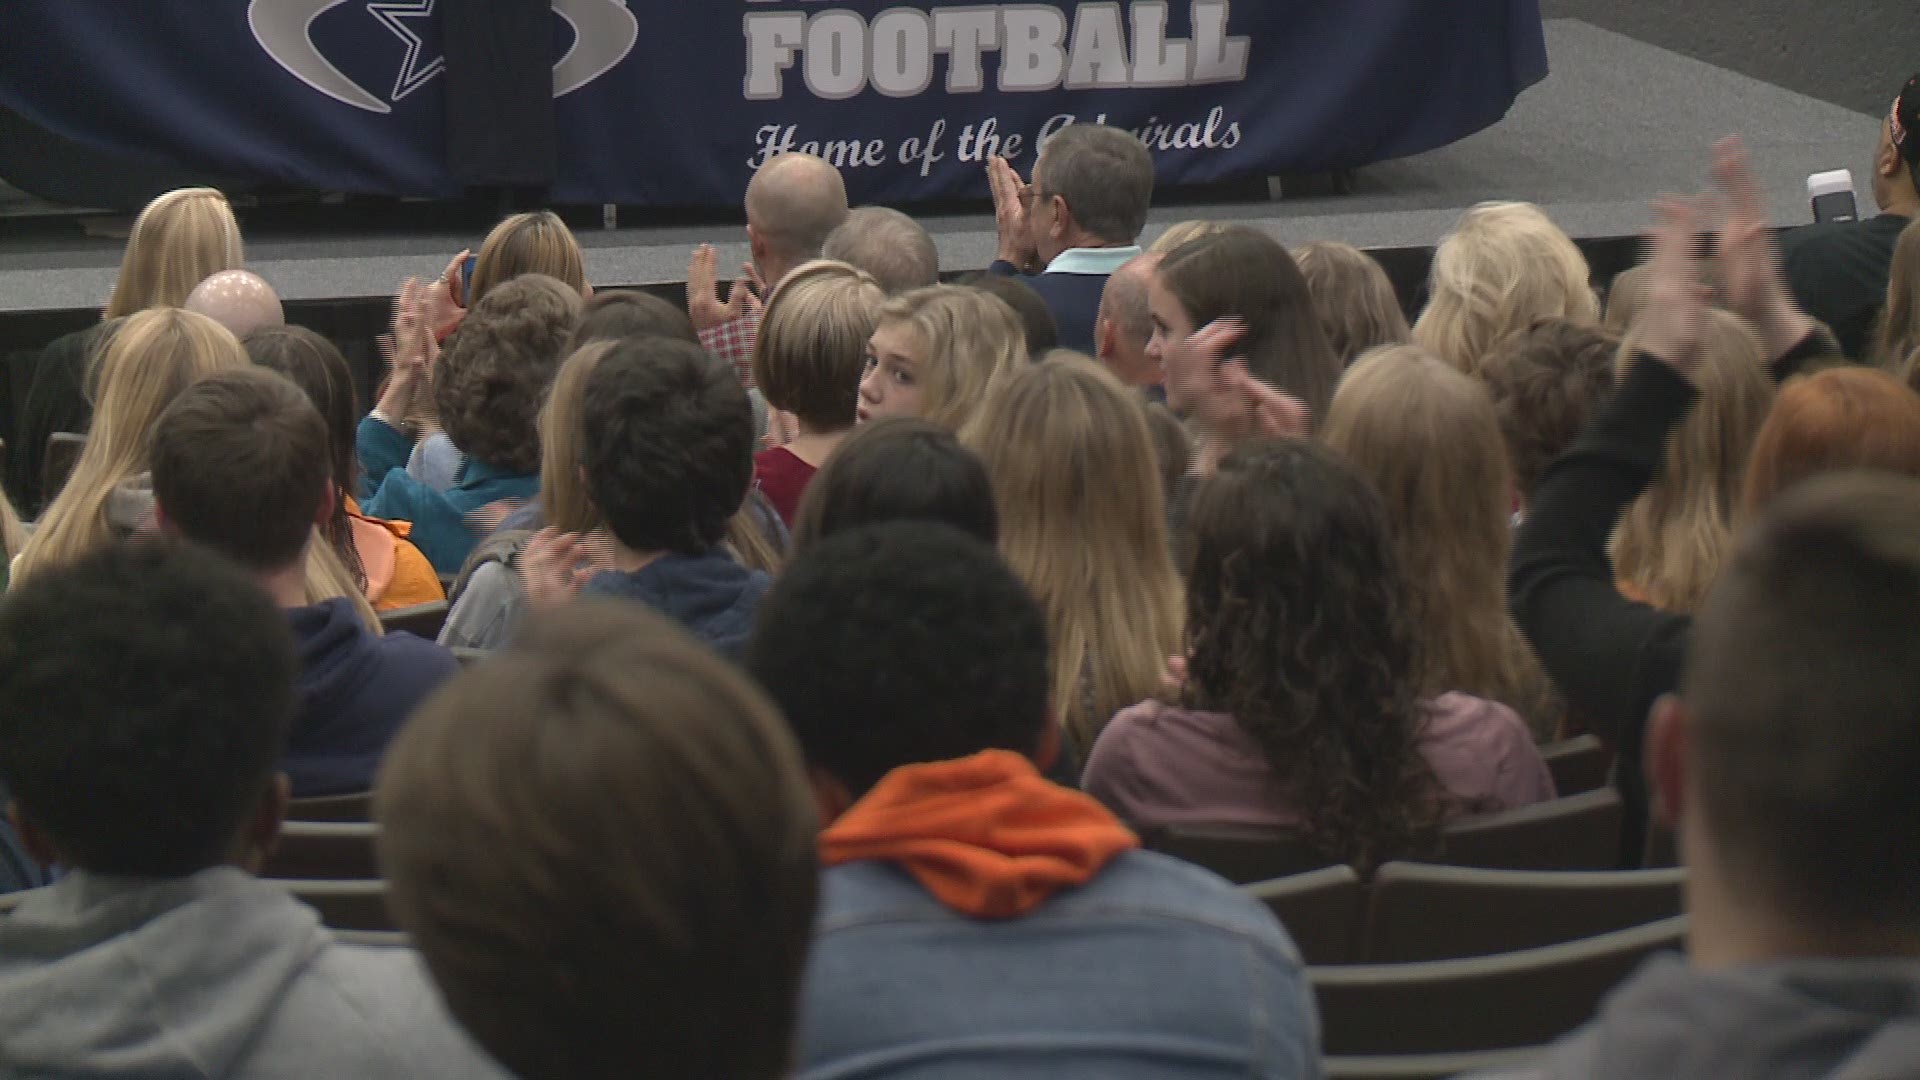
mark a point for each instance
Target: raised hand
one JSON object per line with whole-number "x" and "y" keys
{"x": 410, "y": 350}
{"x": 555, "y": 565}
{"x": 443, "y": 306}
{"x": 1010, "y": 213}
{"x": 1752, "y": 281}
{"x": 704, "y": 306}
{"x": 1673, "y": 317}
{"x": 1223, "y": 396}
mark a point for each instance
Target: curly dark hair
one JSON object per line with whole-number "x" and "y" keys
{"x": 495, "y": 370}
{"x": 1296, "y": 629}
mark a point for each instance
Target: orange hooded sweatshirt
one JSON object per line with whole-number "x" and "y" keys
{"x": 986, "y": 835}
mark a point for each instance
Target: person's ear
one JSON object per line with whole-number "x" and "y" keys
{"x": 1886, "y": 160}
{"x": 1105, "y": 338}
{"x": 262, "y": 834}
{"x": 1666, "y": 759}
{"x": 830, "y": 796}
{"x": 1062, "y": 218}
{"x": 755, "y": 244}
{"x": 38, "y": 844}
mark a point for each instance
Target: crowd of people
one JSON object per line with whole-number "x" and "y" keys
{"x": 825, "y": 647}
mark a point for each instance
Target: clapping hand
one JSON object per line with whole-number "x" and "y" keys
{"x": 703, "y": 290}
{"x": 411, "y": 352}
{"x": 1673, "y": 317}
{"x": 1010, "y": 214}
{"x": 555, "y": 565}
{"x": 1226, "y": 400}
{"x": 1751, "y": 279}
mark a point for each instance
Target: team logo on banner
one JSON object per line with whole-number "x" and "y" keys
{"x": 604, "y": 32}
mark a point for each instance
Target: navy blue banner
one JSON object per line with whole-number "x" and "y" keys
{"x": 675, "y": 102}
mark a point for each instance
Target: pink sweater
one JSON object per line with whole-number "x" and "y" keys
{"x": 1159, "y": 764}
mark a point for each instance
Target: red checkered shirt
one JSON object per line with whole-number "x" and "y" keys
{"x": 732, "y": 341}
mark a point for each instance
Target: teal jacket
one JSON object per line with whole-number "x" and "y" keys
{"x": 440, "y": 525}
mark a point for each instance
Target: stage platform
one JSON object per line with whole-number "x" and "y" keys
{"x": 1615, "y": 123}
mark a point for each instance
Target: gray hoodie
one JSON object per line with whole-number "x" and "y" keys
{"x": 1791, "y": 1020}
{"x": 214, "y": 975}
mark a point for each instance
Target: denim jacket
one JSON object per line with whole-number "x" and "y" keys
{"x": 1153, "y": 969}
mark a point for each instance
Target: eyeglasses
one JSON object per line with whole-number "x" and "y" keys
{"x": 1028, "y": 193}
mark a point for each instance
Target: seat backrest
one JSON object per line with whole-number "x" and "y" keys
{"x": 1578, "y": 764}
{"x": 326, "y": 850}
{"x": 1242, "y": 855}
{"x": 1320, "y": 909}
{"x": 1508, "y": 1000}
{"x": 345, "y": 905}
{"x": 1421, "y": 912}
{"x": 355, "y": 807}
{"x": 1578, "y": 832}
{"x": 1430, "y": 1066}
{"x": 379, "y": 939}
{"x": 63, "y": 453}
{"x": 420, "y": 620}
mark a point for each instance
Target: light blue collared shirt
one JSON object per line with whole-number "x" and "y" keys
{"x": 1097, "y": 261}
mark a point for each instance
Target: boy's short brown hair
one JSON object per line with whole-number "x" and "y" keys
{"x": 240, "y": 466}
{"x": 1546, "y": 381}
{"x": 497, "y": 367}
{"x": 602, "y": 842}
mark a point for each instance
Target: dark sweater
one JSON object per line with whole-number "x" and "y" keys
{"x": 1074, "y": 300}
{"x": 56, "y": 401}
{"x": 711, "y": 595}
{"x": 354, "y": 692}
{"x": 1611, "y": 657}
{"x": 1838, "y": 271}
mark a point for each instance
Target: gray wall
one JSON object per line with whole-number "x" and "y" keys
{"x": 1852, "y": 53}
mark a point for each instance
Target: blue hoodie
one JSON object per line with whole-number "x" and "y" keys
{"x": 710, "y": 595}
{"x": 354, "y": 692}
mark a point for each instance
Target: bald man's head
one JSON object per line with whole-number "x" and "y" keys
{"x": 888, "y": 244}
{"x": 238, "y": 300}
{"x": 793, "y": 203}
{"x": 1124, "y": 324}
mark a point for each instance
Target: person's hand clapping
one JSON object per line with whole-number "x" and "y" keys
{"x": 704, "y": 306}
{"x": 555, "y": 565}
{"x": 1752, "y": 281}
{"x": 1010, "y": 214}
{"x": 1673, "y": 318}
{"x": 444, "y": 307}
{"x": 1225, "y": 399}
{"x": 411, "y": 352}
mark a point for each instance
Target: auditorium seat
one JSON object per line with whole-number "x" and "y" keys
{"x": 1241, "y": 854}
{"x": 1421, "y": 912}
{"x": 1577, "y": 832}
{"x": 345, "y": 905}
{"x": 1428, "y": 1066}
{"x": 329, "y": 850}
{"x": 420, "y": 620}
{"x": 1579, "y": 764}
{"x": 1320, "y": 909}
{"x": 380, "y": 939}
{"x": 1517, "y": 999}
{"x": 355, "y": 807}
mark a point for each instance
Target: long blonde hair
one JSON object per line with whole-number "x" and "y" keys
{"x": 1503, "y": 266}
{"x": 155, "y": 356}
{"x": 967, "y": 343}
{"x": 1428, "y": 438}
{"x": 182, "y": 238}
{"x": 1083, "y": 522}
{"x": 1354, "y": 300}
{"x": 1899, "y": 334}
{"x": 1186, "y": 232}
{"x": 1670, "y": 543}
{"x": 537, "y": 242}
{"x": 13, "y": 536}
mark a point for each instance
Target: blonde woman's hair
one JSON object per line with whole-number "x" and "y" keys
{"x": 182, "y": 238}
{"x": 1186, "y": 232}
{"x": 1503, "y": 266}
{"x": 1428, "y": 439}
{"x": 1083, "y": 523}
{"x": 1354, "y": 300}
{"x": 1899, "y": 332}
{"x": 155, "y": 356}
{"x": 967, "y": 343}
{"x": 531, "y": 243}
{"x": 1624, "y": 299}
{"x": 1669, "y": 545}
{"x": 746, "y": 539}
{"x": 327, "y": 578}
{"x": 564, "y": 500}
{"x": 812, "y": 343}
{"x": 13, "y": 535}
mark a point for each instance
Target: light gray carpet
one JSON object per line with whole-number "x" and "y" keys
{"x": 1617, "y": 122}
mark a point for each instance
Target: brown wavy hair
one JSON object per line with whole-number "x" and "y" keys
{"x": 1297, "y": 627}
{"x": 497, "y": 367}
{"x": 1427, "y": 437}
